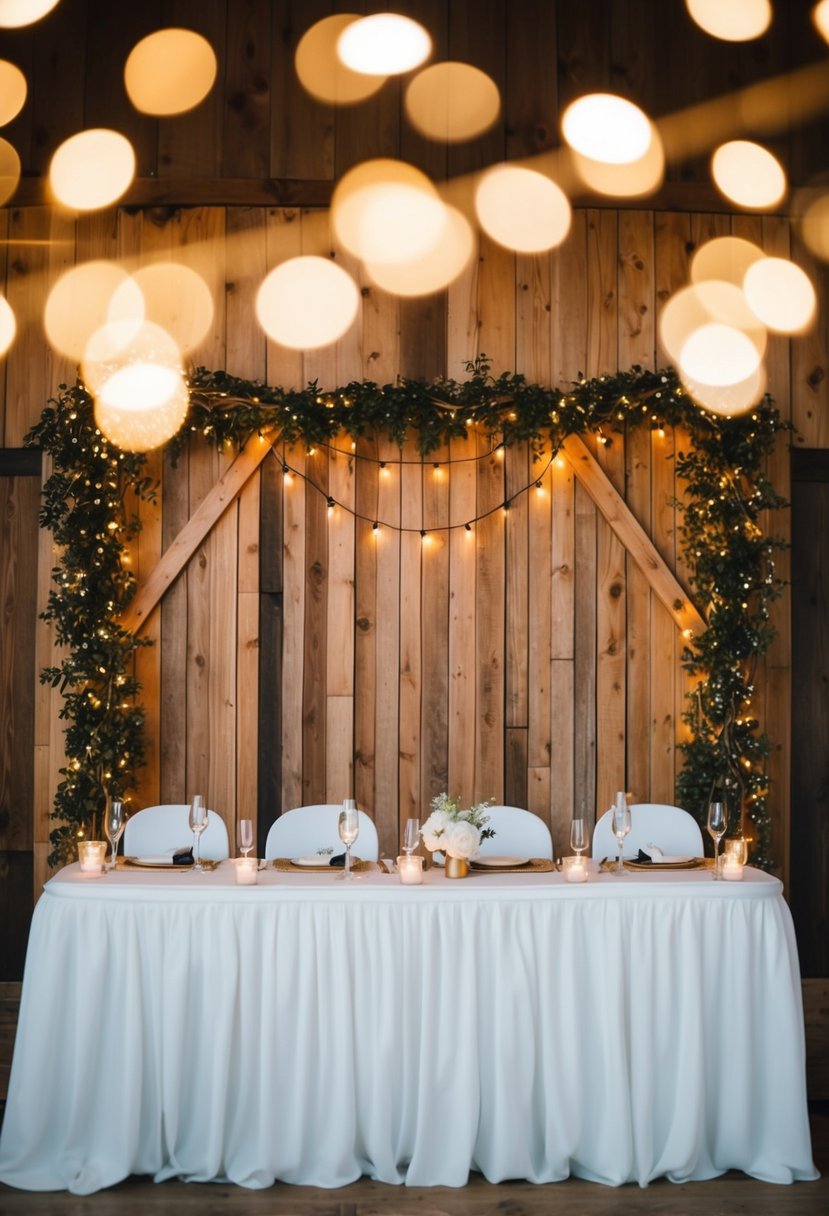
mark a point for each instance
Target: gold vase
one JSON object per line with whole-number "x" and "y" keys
{"x": 456, "y": 867}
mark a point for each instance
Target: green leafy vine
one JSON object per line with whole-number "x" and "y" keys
{"x": 91, "y": 497}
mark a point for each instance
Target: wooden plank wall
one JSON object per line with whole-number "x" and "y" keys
{"x": 525, "y": 661}
{"x": 528, "y": 662}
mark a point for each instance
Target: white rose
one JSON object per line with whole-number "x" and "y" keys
{"x": 461, "y": 839}
{"x": 433, "y": 829}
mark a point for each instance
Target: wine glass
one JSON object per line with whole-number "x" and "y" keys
{"x": 621, "y": 826}
{"x": 114, "y": 827}
{"x": 717, "y": 823}
{"x": 198, "y": 822}
{"x": 349, "y": 827}
{"x": 245, "y": 836}
{"x": 578, "y": 835}
{"x": 411, "y": 836}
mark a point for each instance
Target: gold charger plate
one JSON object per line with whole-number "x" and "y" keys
{"x": 140, "y": 864}
{"x": 653, "y": 867}
{"x": 536, "y": 865}
{"x": 286, "y": 866}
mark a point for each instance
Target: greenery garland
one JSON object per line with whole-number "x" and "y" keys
{"x": 90, "y": 502}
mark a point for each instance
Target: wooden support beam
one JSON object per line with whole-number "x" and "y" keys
{"x": 630, "y": 532}
{"x": 178, "y": 554}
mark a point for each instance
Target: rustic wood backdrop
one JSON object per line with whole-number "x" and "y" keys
{"x": 299, "y": 656}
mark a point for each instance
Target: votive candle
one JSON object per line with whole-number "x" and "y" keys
{"x": 410, "y": 870}
{"x": 732, "y": 869}
{"x": 91, "y": 854}
{"x": 247, "y": 869}
{"x": 575, "y": 869}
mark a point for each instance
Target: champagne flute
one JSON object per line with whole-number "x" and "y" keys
{"x": 717, "y": 823}
{"x": 114, "y": 827}
{"x": 349, "y": 827}
{"x": 411, "y": 836}
{"x": 578, "y": 835}
{"x": 621, "y": 825}
{"x": 198, "y": 822}
{"x": 245, "y": 836}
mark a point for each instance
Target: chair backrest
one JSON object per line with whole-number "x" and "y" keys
{"x": 303, "y": 830}
{"x": 670, "y": 828}
{"x": 518, "y": 833}
{"x": 159, "y": 828}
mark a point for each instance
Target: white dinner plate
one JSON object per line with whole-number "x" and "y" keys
{"x": 158, "y": 863}
{"x": 310, "y": 862}
{"x": 500, "y": 863}
{"x": 669, "y": 860}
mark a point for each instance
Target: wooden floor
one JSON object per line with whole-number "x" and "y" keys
{"x": 734, "y": 1193}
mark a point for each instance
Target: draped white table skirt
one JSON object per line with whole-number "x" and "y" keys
{"x": 311, "y": 1031}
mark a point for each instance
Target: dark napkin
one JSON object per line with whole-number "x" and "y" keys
{"x": 644, "y": 859}
{"x": 183, "y": 857}
{"x": 337, "y": 860}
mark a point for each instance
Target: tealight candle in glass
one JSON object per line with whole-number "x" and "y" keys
{"x": 410, "y": 869}
{"x": 246, "y": 871}
{"x": 574, "y": 868}
{"x": 91, "y": 854}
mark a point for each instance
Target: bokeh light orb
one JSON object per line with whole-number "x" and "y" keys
{"x": 814, "y": 226}
{"x": 92, "y": 169}
{"x": 701, "y": 304}
{"x": 173, "y": 296}
{"x": 170, "y": 72}
{"x": 141, "y": 406}
{"x": 384, "y": 44}
{"x": 387, "y": 211}
{"x": 452, "y": 101}
{"x": 121, "y": 343}
{"x": 604, "y": 127}
{"x": 321, "y": 71}
{"x": 433, "y": 270}
{"x": 81, "y": 302}
{"x": 307, "y": 302}
{"x": 726, "y": 258}
{"x": 781, "y": 295}
{"x": 13, "y": 89}
{"x": 728, "y": 400}
{"x": 629, "y": 180}
{"x": 9, "y": 170}
{"x": 718, "y": 354}
{"x": 8, "y": 325}
{"x": 522, "y": 209}
{"x": 820, "y": 16}
{"x": 16, "y": 13}
{"x": 748, "y": 174}
{"x": 731, "y": 20}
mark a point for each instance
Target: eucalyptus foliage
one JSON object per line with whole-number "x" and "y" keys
{"x": 91, "y": 498}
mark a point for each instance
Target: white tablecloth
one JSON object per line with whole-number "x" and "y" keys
{"x": 313, "y": 1031}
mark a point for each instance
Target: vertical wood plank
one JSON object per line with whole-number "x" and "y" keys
{"x": 434, "y": 723}
{"x": 304, "y": 146}
{"x": 314, "y": 631}
{"x": 294, "y": 563}
{"x": 187, "y": 143}
{"x": 539, "y": 660}
{"x": 462, "y": 619}
{"x": 389, "y": 631}
{"x": 246, "y": 133}
{"x": 412, "y": 551}
{"x": 367, "y": 476}
{"x": 489, "y": 624}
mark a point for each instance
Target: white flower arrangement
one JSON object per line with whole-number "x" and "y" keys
{"x": 455, "y": 831}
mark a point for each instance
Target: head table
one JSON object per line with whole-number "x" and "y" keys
{"x": 312, "y": 1031}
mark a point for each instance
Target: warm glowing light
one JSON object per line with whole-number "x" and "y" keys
{"x": 320, "y": 69}
{"x": 628, "y": 180}
{"x": 748, "y": 174}
{"x": 119, "y": 344}
{"x": 138, "y": 385}
{"x": 170, "y": 72}
{"x": 728, "y": 399}
{"x": 8, "y": 325}
{"x": 15, "y": 13}
{"x": 307, "y": 302}
{"x": 9, "y": 171}
{"x": 701, "y": 304}
{"x": 814, "y": 226}
{"x": 780, "y": 294}
{"x": 81, "y": 301}
{"x": 726, "y": 258}
{"x": 173, "y": 296}
{"x": 387, "y": 211}
{"x": 92, "y": 169}
{"x": 820, "y": 16}
{"x": 435, "y": 268}
{"x": 731, "y": 20}
{"x": 718, "y": 354}
{"x": 522, "y": 209}
{"x": 384, "y": 44}
{"x": 607, "y": 128}
{"x": 13, "y": 90}
{"x": 452, "y": 102}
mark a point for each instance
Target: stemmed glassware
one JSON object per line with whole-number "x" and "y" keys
{"x": 349, "y": 827}
{"x": 578, "y": 835}
{"x": 114, "y": 827}
{"x": 198, "y": 822}
{"x": 411, "y": 836}
{"x": 717, "y": 824}
{"x": 245, "y": 836}
{"x": 621, "y": 826}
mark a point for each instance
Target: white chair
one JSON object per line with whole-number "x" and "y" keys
{"x": 670, "y": 828}
{"x": 518, "y": 833}
{"x": 157, "y": 829}
{"x": 305, "y": 829}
